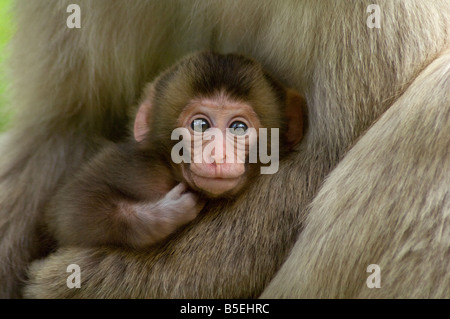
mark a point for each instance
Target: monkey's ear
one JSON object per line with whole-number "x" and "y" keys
{"x": 295, "y": 104}
{"x": 144, "y": 113}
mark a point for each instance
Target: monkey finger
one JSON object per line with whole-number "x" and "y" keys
{"x": 189, "y": 198}
{"x": 194, "y": 201}
{"x": 176, "y": 191}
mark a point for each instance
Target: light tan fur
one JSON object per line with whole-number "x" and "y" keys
{"x": 400, "y": 220}
{"x": 71, "y": 89}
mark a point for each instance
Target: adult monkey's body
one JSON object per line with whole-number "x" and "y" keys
{"x": 391, "y": 208}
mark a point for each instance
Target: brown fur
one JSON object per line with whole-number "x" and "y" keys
{"x": 72, "y": 85}
{"x": 126, "y": 195}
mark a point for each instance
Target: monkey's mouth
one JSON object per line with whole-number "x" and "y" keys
{"x": 215, "y": 185}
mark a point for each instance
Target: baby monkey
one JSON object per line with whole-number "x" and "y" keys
{"x": 135, "y": 194}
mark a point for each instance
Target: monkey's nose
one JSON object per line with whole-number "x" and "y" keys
{"x": 218, "y": 159}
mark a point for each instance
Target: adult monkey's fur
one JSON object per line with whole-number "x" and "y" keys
{"x": 385, "y": 202}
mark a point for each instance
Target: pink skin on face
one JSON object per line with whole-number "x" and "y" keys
{"x": 216, "y": 176}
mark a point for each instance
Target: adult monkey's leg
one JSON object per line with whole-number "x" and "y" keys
{"x": 64, "y": 106}
{"x": 387, "y": 203}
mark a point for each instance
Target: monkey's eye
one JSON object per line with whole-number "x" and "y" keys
{"x": 238, "y": 128}
{"x": 200, "y": 125}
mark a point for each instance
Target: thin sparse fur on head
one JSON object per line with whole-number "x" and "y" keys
{"x": 207, "y": 74}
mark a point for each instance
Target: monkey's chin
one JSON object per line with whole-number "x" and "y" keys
{"x": 216, "y": 186}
